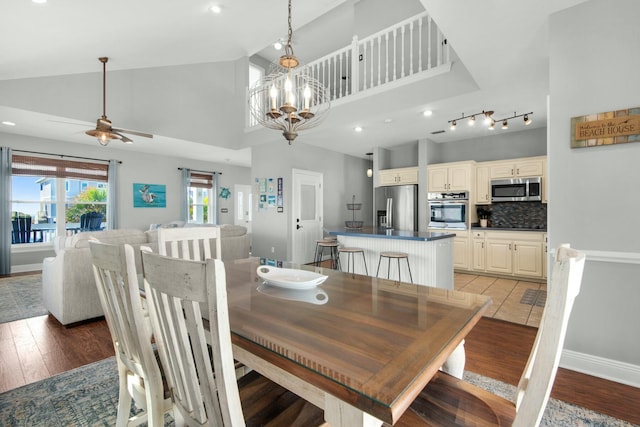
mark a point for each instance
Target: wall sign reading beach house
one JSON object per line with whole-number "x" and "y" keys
{"x": 612, "y": 127}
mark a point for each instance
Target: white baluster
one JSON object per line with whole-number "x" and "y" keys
{"x": 402, "y": 73}
{"x": 394, "y": 53}
{"x": 379, "y": 60}
{"x": 355, "y": 70}
{"x": 386, "y": 66}
{"x": 419, "y": 44}
{"x": 429, "y": 43}
{"x": 439, "y": 47}
{"x": 411, "y": 48}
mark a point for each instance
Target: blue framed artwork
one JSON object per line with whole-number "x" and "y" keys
{"x": 149, "y": 195}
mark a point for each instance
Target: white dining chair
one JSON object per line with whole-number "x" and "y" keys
{"x": 194, "y": 243}
{"x": 202, "y": 380}
{"x": 450, "y": 401}
{"x": 138, "y": 371}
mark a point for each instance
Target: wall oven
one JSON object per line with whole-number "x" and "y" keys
{"x": 516, "y": 190}
{"x": 449, "y": 210}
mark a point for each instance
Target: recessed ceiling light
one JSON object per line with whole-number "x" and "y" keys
{"x": 388, "y": 120}
{"x": 8, "y": 123}
{"x": 427, "y": 113}
{"x": 358, "y": 129}
{"x": 215, "y": 9}
{"x": 277, "y": 45}
{"x": 39, "y": 1}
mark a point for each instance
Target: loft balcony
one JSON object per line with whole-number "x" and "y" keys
{"x": 409, "y": 51}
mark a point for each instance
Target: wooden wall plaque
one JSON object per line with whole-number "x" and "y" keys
{"x": 608, "y": 128}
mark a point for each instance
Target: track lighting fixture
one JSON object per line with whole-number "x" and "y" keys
{"x": 489, "y": 120}
{"x": 472, "y": 118}
{"x": 525, "y": 116}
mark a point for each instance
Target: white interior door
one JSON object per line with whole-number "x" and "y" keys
{"x": 307, "y": 208}
{"x": 243, "y": 205}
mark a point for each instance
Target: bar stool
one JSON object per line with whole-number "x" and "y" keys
{"x": 350, "y": 260}
{"x": 395, "y": 255}
{"x": 332, "y": 245}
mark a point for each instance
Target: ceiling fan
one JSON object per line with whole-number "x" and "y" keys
{"x": 104, "y": 131}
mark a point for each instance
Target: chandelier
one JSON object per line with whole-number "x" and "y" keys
{"x": 289, "y": 98}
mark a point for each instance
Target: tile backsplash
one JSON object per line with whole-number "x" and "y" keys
{"x": 517, "y": 214}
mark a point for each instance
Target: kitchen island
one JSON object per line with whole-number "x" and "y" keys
{"x": 430, "y": 253}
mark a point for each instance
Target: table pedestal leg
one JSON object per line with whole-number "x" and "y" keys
{"x": 340, "y": 414}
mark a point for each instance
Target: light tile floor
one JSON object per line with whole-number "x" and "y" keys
{"x": 506, "y": 295}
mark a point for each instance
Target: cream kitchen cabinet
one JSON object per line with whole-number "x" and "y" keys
{"x": 482, "y": 194}
{"x": 478, "y": 253}
{"x": 450, "y": 176}
{"x": 517, "y": 168}
{"x": 398, "y": 176}
{"x": 514, "y": 253}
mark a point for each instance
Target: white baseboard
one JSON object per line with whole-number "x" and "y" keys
{"x": 613, "y": 370}
{"x": 25, "y": 268}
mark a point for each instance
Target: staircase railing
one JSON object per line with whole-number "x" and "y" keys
{"x": 410, "y": 47}
{"x": 406, "y": 49}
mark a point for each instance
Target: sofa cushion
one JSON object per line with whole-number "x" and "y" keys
{"x": 114, "y": 237}
{"x": 230, "y": 230}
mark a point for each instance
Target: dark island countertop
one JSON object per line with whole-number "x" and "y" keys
{"x": 384, "y": 233}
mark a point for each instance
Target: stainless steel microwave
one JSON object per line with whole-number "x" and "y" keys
{"x": 516, "y": 189}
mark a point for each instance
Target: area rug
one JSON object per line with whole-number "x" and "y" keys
{"x": 88, "y": 396}
{"x": 21, "y": 297}
{"x": 557, "y": 413}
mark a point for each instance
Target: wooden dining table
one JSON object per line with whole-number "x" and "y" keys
{"x": 359, "y": 347}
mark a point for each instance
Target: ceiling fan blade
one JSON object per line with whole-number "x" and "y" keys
{"x": 123, "y": 138}
{"x": 133, "y": 132}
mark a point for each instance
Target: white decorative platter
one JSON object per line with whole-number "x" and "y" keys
{"x": 290, "y": 278}
{"x": 312, "y": 296}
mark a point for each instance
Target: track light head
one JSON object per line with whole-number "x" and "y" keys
{"x": 527, "y": 120}
{"x": 505, "y": 125}
{"x": 453, "y": 125}
{"x": 472, "y": 120}
{"x": 492, "y": 124}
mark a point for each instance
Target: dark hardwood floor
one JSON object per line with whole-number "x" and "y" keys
{"x": 37, "y": 348}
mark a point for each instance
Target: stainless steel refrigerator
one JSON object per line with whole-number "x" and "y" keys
{"x": 397, "y": 207}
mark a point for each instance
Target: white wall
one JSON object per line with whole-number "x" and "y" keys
{"x": 135, "y": 168}
{"x": 594, "y": 65}
{"x": 344, "y": 176}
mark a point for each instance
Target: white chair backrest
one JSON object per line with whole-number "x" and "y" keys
{"x": 192, "y": 243}
{"x": 116, "y": 279}
{"x": 176, "y": 289}
{"x": 539, "y": 374}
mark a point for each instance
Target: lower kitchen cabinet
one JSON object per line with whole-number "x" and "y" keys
{"x": 461, "y": 252}
{"x": 509, "y": 253}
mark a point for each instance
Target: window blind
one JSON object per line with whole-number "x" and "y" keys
{"x": 201, "y": 180}
{"x": 59, "y": 168}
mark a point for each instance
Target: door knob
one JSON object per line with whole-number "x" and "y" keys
{"x": 298, "y": 226}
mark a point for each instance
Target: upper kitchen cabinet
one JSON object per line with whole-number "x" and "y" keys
{"x": 455, "y": 176}
{"x": 482, "y": 193}
{"x": 517, "y": 168}
{"x": 400, "y": 176}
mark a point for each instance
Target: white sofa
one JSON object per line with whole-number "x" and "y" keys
{"x": 68, "y": 286}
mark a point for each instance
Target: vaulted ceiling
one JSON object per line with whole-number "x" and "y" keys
{"x": 50, "y": 77}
